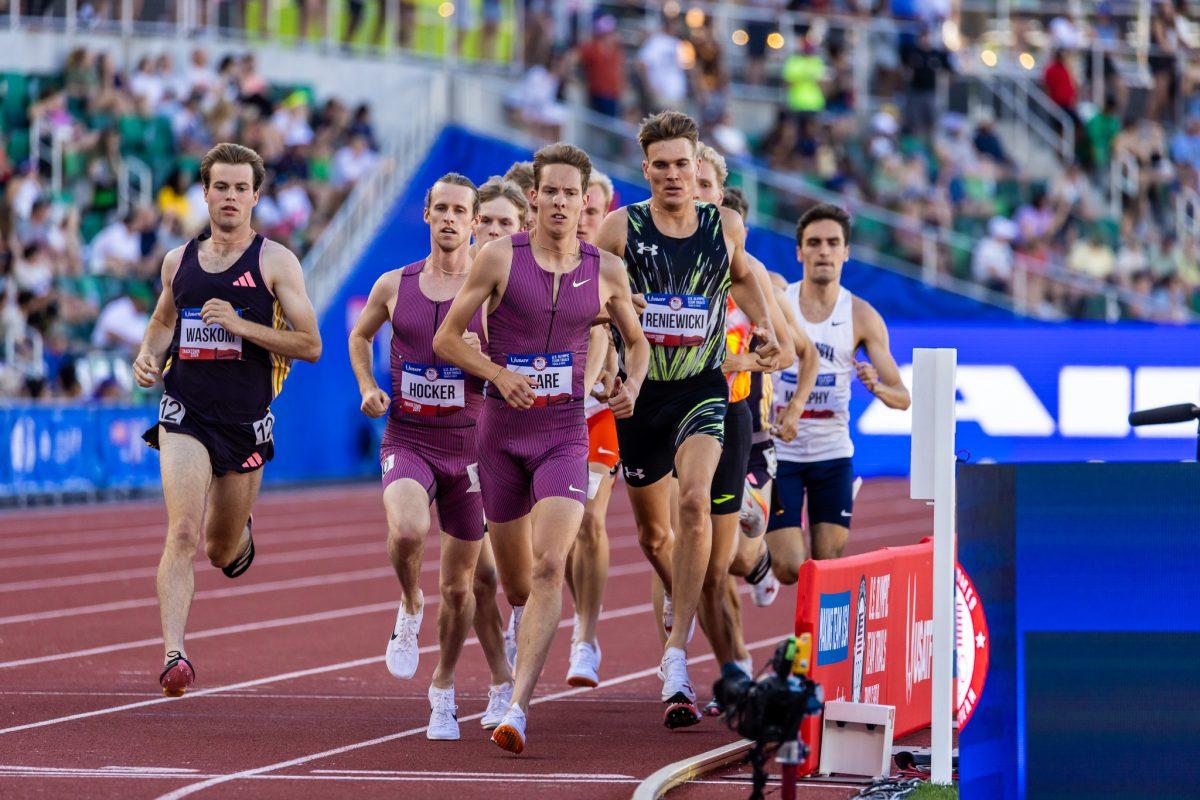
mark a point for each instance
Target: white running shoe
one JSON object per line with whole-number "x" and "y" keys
{"x": 443, "y": 718}
{"x": 753, "y": 516}
{"x": 765, "y": 591}
{"x": 402, "y": 652}
{"x": 746, "y": 665}
{"x": 585, "y": 665}
{"x": 510, "y": 641}
{"x": 498, "y": 699}
{"x": 510, "y": 735}
{"x": 677, "y": 690}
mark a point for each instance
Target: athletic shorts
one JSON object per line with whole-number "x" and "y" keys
{"x": 666, "y": 415}
{"x": 729, "y": 481}
{"x": 442, "y": 460}
{"x": 232, "y": 446}
{"x": 830, "y": 488}
{"x": 602, "y": 439}
{"x": 762, "y": 463}
{"x": 530, "y": 454}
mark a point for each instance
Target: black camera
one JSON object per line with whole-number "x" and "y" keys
{"x": 769, "y": 711}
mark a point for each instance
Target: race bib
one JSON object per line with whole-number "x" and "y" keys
{"x": 785, "y": 390}
{"x": 170, "y": 410}
{"x": 675, "y": 320}
{"x": 198, "y": 341}
{"x": 264, "y": 429}
{"x": 551, "y": 373}
{"x": 821, "y": 400}
{"x": 432, "y": 390}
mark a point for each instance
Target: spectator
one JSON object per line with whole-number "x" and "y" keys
{"x": 352, "y": 162}
{"x": 1061, "y": 87}
{"x": 1185, "y": 145}
{"x": 122, "y": 323}
{"x": 992, "y": 262}
{"x": 1101, "y": 130}
{"x": 1164, "y": 44}
{"x": 803, "y": 72}
{"x": 603, "y": 61}
{"x": 925, "y": 63}
{"x": 147, "y": 85}
{"x": 117, "y": 249}
{"x": 660, "y": 68}
{"x": 1091, "y": 256}
{"x": 987, "y": 143}
{"x": 711, "y": 78}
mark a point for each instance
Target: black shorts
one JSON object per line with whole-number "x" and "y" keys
{"x": 762, "y": 465}
{"x": 830, "y": 488}
{"x": 729, "y": 481}
{"x": 232, "y": 447}
{"x": 666, "y": 415}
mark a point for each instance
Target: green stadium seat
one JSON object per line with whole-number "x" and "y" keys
{"x": 133, "y": 134}
{"x": 18, "y": 144}
{"x": 94, "y": 220}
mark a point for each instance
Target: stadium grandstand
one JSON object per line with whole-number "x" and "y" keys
{"x": 1022, "y": 179}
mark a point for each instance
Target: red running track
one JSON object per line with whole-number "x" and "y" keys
{"x": 292, "y": 694}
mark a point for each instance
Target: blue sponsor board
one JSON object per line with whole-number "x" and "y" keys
{"x": 833, "y": 628}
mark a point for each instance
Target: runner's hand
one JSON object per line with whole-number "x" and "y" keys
{"x": 867, "y": 374}
{"x": 145, "y": 370}
{"x": 219, "y": 312}
{"x": 517, "y": 389}
{"x": 472, "y": 340}
{"x": 788, "y": 425}
{"x": 375, "y": 402}
{"x": 606, "y": 380}
{"x": 622, "y": 400}
{"x": 768, "y": 347}
{"x": 639, "y": 303}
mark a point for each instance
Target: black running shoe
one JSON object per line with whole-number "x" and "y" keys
{"x": 243, "y": 561}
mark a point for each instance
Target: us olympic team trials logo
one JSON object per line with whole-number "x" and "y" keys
{"x": 539, "y": 363}
{"x": 431, "y": 374}
{"x": 675, "y": 303}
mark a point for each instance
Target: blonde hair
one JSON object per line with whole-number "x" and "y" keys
{"x": 496, "y": 188}
{"x": 598, "y": 178}
{"x": 706, "y": 153}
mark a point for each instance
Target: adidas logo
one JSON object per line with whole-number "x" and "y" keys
{"x": 255, "y": 460}
{"x": 246, "y": 281}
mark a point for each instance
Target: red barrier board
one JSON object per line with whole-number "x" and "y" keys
{"x": 871, "y": 618}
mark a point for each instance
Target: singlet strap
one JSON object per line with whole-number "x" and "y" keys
{"x": 520, "y": 239}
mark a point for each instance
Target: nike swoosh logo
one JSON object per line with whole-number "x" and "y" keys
{"x": 602, "y": 451}
{"x": 835, "y": 324}
{"x": 845, "y": 514}
{"x": 581, "y": 283}
{"x": 573, "y": 489}
{"x": 723, "y": 498}
{"x": 393, "y": 637}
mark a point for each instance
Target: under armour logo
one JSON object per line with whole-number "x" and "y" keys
{"x": 634, "y": 473}
{"x": 643, "y": 247}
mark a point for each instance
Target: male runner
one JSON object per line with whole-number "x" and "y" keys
{"x": 521, "y": 173}
{"x": 503, "y": 209}
{"x": 232, "y": 314}
{"x": 428, "y": 449}
{"x": 812, "y": 429}
{"x": 587, "y": 564}
{"x": 543, "y": 292}
{"x": 683, "y": 258}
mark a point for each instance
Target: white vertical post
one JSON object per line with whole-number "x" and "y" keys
{"x": 933, "y": 461}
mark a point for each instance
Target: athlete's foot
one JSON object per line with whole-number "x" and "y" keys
{"x": 178, "y": 674}
{"x": 402, "y": 651}
{"x": 766, "y": 590}
{"x": 713, "y": 709}
{"x": 499, "y": 698}
{"x": 677, "y": 691}
{"x": 584, "y": 671}
{"x": 753, "y": 516}
{"x": 242, "y": 563}
{"x": 746, "y": 665}
{"x": 510, "y": 735}
{"x": 443, "y": 716}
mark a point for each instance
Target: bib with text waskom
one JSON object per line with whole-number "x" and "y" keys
{"x": 206, "y": 342}
{"x": 551, "y": 373}
{"x": 675, "y": 320}
{"x": 432, "y": 390}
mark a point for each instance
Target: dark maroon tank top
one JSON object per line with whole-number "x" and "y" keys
{"x": 536, "y": 334}
{"x": 219, "y": 377}
{"x": 425, "y": 389}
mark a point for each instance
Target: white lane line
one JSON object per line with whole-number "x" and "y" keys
{"x": 287, "y": 676}
{"x": 431, "y": 778}
{"x": 458, "y": 774}
{"x": 294, "y": 762}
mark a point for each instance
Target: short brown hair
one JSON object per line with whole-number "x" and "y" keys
{"x": 562, "y": 153}
{"x": 706, "y": 153}
{"x": 230, "y": 153}
{"x": 735, "y": 199}
{"x": 521, "y": 173}
{"x": 821, "y": 212}
{"x": 496, "y": 188}
{"x": 455, "y": 179}
{"x": 666, "y": 125}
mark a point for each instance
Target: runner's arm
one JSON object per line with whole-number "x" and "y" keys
{"x": 611, "y": 236}
{"x": 745, "y": 288}
{"x": 147, "y": 366}
{"x": 375, "y": 401}
{"x": 619, "y": 304}
{"x": 285, "y": 279}
{"x": 881, "y": 375}
{"x": 787, "y": 425}
{"x": 597, "y": 356}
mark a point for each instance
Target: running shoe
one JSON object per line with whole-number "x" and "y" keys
{"x": 178, "y": 674}
{"x": 746, "y": 665}
{"x": 402, "y": 651}
{"x": 242, "y": 563}
{"x": 443, "y": 716}
{"x": 510, "y": 641}
{"x": 713, "y": 709}
{"x": 510, "y": 735}
{"x": 677, "y": 691}
{"x": 499, "y": 698}
{"x": 753, "y": 516}
{"x": 765, "y": 591}
{"x": 584, "y": 671}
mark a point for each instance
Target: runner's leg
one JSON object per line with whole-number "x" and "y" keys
{"x": 458, "y": 605}
{"x": 186, "y": 475}
{"x": 407, "y": 505}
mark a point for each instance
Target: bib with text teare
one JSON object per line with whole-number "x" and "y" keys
{"x": 432, "y": 390}
{"x": 675, "y": 320}
{"x": 206, "y": 342}
{"x": 551, "y": 372}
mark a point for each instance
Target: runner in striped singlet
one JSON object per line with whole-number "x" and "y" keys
{"x": 683, "y": 258}
{"x": 543, "y": 292}
{"x": 232, "y": 315}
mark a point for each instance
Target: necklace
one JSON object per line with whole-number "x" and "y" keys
{"x": 448, "y": 272}
{"x": 213, "y": 239}
{"x": 574, "y": 252}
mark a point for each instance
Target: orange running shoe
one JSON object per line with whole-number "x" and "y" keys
{"x": 178, "y": 674}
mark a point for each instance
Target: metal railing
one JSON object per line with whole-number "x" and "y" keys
{"x": 1036, "y": 120}
{"x": 358, "y": 219}
{"x": 129, "y": 171}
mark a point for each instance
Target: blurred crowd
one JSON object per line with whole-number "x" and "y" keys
{"x": 80, "y": 255}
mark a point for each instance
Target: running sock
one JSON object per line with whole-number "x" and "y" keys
{"x": 516, "y": 615}
{"x": 760, "y": 570}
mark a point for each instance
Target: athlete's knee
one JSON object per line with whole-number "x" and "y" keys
{"x": 592, "y": 533}
{"x": 694, "y": 502}
{"x": 787, "y": 573}
{"x": 483, "y": 584}
{"x": 221, "y": 553}
{"x": 826, "y": 550}
{"x": 183, "y": 537}
{"x": 654, "y": 538}
{"x": 406, "y": 536}
{"x": 456, "y": 590}
{"x": 743, "y": 561}
{"x": 549, "y": 568}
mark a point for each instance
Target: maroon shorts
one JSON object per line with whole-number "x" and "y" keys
{"x": 442, "y": 460}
